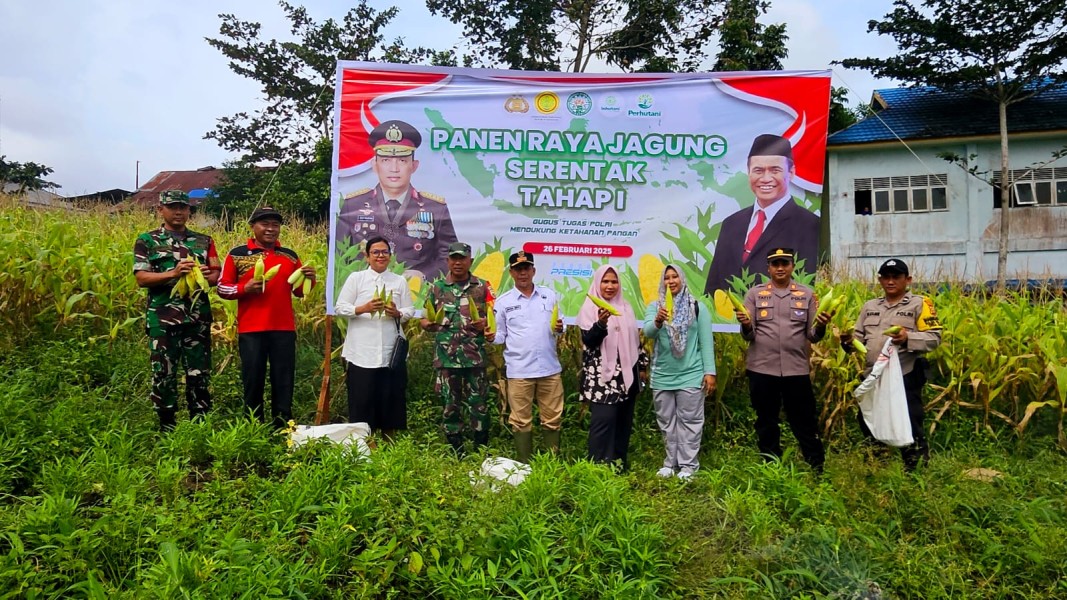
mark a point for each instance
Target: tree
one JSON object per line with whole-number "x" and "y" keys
{"x": 28, "y": 176}
{"x": 747, "y": 45}
{"x": 297, "y": 77}
{"x": 841, "y": 116}
{"x": 553, "y": 35}
{"x": 298, "y": 189}
{"x": 1004, "y": 51}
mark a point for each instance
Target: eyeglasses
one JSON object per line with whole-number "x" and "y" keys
{"x": 380, "y": 253}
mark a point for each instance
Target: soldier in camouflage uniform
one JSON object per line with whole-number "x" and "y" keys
{"x": 459, "y": 349}
{"x": 178, "y": 328}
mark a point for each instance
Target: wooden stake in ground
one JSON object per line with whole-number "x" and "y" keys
{"x": 322, "y": 411}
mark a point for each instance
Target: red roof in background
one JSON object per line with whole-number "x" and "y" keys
{"x": 186, "y": 181}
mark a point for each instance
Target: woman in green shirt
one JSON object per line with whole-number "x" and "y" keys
{"x": 683, "y": 371}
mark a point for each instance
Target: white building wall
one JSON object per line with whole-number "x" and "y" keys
{"x": 960, "y": 243}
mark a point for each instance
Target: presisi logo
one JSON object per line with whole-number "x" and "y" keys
{"x": 579, "y": 104}
{"x": 516, "y": 104}
{"x": 644, "y": 103}
{"x": 571, "y": 269}
{"x": 546, "y": 103}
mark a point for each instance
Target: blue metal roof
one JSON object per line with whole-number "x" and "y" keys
{"x": 922, "y": 113}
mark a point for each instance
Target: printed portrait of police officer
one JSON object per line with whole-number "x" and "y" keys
{"x": 416, "y": 222}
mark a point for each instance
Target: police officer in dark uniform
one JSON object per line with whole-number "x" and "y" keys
{"x": 783, "y": 321}
{"x": 416, "y": 223}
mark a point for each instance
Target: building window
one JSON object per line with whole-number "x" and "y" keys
{"x": 1034, "y": 187}
{"x": 904, "y": 194}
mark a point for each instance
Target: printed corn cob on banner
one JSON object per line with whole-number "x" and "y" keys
{"x": 632, "y": 170}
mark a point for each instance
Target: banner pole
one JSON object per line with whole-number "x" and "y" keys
{"x": 322, "y": 411}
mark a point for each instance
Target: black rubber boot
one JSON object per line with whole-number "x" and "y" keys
{"x": 167, "y": 420}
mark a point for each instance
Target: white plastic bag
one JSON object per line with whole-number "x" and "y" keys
{"x": 503, "y": 469}
{"x": 883, "y": 403}
{"x": 346, "y": 434}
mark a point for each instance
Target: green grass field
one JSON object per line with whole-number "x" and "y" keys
{"x": 95, "y": 503}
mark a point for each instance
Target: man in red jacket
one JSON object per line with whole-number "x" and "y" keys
{"x": 266, "y": 330}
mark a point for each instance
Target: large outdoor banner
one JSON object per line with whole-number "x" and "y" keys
{"x": 706, "y": 171}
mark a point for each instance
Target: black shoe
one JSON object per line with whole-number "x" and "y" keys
{"x": 481, "y": 439}
{"x": 456, "y": 441}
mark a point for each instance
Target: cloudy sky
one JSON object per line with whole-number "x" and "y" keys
{"x": 92, "y": 87}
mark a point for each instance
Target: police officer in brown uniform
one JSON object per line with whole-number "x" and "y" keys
{"x": 920, "y": 333}
{"x": 416, "y": 223}
{"x": 782, "y": 323}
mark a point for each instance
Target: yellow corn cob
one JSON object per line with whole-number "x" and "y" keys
{"x": 307, "y": 285}
{"x": 825, "y": 303}
{"x": 554, "y": 317}
{"x": 198, "y": 276}
{"x": 271, "y": 272}
{"x": 491, "y": 269}
{"x": 475, "y": 313}
{"x": 294, "y": 279}
{"x": 738, "y": 304}
{"x": 723, "y": 305}
{"x": 837, "y": 302}
{"x": 490, "y": 318}
{"x": 604, "y": 304}
{"x": 257, "y": 272}
{"x": 650, "y": 274}
{"x": 179, "y": 288}
{"x": 892, "y": 330}
{"x": 859, "y": 347}
{"x": 668, "y": 303}
{"x": 431, "y": 313}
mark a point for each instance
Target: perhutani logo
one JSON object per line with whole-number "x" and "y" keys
{"x": 516, "y": 104}
{"x": 546, "y": 103}
{"x": 579, "y": 104}
{"x": 644, "y": 103}
{"x": 609, "y": 105}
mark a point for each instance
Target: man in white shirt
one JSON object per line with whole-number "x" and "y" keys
{"x": 376, "y": 393}
{"x": 528, "y": 333}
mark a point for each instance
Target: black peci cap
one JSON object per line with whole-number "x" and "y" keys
{"x": 892, "y": 266}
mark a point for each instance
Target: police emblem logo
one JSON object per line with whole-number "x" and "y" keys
{"x": 516, "y": 104}
{"x": 763, "y": 313}
{"x": 800, "y": 305}
{"x": 764, "y": 303}
{"x": 393, "y": 134}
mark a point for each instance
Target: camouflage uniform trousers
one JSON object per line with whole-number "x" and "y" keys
{"x": 189, "y": 343}
{"x": 465, "y": 392}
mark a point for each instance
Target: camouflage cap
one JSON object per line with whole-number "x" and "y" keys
{"x": 173, "y": 197}
{"x": 459, "y": 249}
